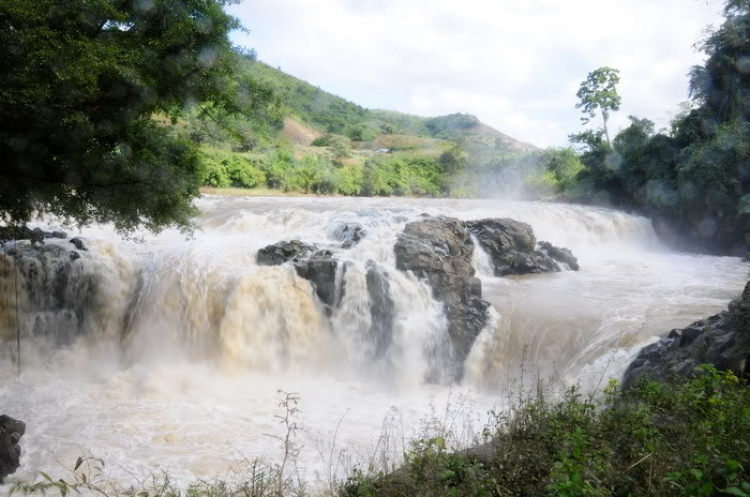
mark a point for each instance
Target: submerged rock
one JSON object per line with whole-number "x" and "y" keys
{"x": 439, "y": 250}
{"x": 11, "y": 431}
{"x": 349, "y": 233}
{"x": 722, "y": 340}
{"x": 511, "y": 246}
{"x": 78, "y": 243}
{"x": 279, "y": 253}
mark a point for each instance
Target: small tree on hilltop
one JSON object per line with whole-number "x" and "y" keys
{"x": 599, "y": 93}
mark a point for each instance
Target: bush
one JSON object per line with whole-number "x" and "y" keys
{"x": 662, "y": 440}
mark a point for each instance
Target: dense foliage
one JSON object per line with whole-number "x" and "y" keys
{"x": 694, "y": 179}
{"x": 79, "y": 84}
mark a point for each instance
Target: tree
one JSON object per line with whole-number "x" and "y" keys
{"x": 89, "y": 90}
{"x": 599, "y": 93}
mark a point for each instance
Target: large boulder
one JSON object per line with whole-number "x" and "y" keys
{"x": 11, "y": 431}
{"x": 439, "y": 250}
{"x": 512, "y": 248}
{"x": 279, "y": 253}
{"x": 722, "y": 340}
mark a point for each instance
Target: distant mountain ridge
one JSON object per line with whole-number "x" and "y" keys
{"x": 325, "y": 112}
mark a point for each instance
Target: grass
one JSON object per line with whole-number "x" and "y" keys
{"x": 689, "y": 439}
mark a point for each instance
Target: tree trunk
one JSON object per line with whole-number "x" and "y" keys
{"x": 605, "y": 116}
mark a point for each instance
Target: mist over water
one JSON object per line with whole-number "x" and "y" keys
{"x": 174, "y": 354}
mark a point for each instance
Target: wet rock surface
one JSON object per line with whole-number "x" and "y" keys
{"x": 722, "y": 340}
{"x": 560, "y": 254}
{"x": 11, "y": 431}
{"x": 439, "y": 250}
{"x": 18, "y": 233}
{"x": 382, "y": 308}
{"x": 350, "y": 234}
{"x": 281, "y": 252}
{"x": 55, "y": 284}
{"x": 512, "y": 248}
{"x": 320, "y": 269}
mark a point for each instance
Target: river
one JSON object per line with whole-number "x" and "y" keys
{"x": 169, "y": 350}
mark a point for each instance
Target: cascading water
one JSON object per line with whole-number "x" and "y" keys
{"x": 170, "y": 352}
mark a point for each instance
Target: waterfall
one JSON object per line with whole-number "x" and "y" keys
{"x": 157, "y": 336}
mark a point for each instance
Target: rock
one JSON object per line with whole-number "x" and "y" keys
{"x": 382, "y": 308}
{"x": 722, "y": 340}
{"x": 58, "y": 290}
{"x": 37, "y": 235}
{"x": 78, "y": 243}
{"x": 320, "y": 270}
{"x": 279, "y": 253}
{"x": 8, "y": 233}
{"x": 11, "y": 431}
{"x": 439, "y": 250}
{"x": 349, "y": 233}
{"x": 560, "y": 254}
{"x": 511, "y": 246}
{"x": 59, "y": 234}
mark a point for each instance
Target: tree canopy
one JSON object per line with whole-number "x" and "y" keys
{"x": 89, "y": 90}
{"x": 695, "y": 179}
{"x": 599, "y": 93}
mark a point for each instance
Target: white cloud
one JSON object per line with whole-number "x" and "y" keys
{"x": 516, "y": 65}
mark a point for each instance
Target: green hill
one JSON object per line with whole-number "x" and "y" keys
{"x": 301, "y": 138}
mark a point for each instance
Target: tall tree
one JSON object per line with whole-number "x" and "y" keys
{"x": 88, "y": 92}
{"x": 599, "y": 93}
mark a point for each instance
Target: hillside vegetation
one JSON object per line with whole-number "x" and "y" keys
{"x": 303, "y": 139}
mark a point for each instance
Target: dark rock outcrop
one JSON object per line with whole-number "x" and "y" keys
{"x": 38, "y": 235}
{"x": 11, "y": 431}
{"x": 320, "y": 270}
{"x": 279, "y": 253}
{"x": 560, "y": 254}
{"x": 439, "y": 250}
{"x": 382, "y": 308}
{"x": 349, "y": 233}
{"x": 58, "y": 288}
{"x": 511, "y": 246}
{"x": 78, "y": 243}
{"x": 722, "y": 340}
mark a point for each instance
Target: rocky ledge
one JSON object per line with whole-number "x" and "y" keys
{"x": 722, "y": 340}
{"x": 11, "y": 431}
{"x": 438, "y": 250}
{"x": 513, "y": 248}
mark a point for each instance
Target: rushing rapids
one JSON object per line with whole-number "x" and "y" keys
{"x": 168, "y": 351}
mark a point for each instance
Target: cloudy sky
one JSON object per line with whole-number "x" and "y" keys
{"x": 516, "y": 64}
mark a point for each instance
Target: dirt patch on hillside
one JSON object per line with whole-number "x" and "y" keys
{"x": 298, "y": 133}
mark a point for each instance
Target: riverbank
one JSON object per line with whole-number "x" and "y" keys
{"x": 169, "y": 352}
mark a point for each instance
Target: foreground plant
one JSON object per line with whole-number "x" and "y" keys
{"x": 691, "y": 439}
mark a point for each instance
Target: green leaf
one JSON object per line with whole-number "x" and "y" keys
{"x": 734, "y": 491}
{"x": 79, "y": 461}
